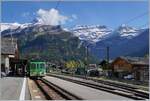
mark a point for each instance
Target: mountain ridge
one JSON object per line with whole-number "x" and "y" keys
{"x": 120, "y": 40}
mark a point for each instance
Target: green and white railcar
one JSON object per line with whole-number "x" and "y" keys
{"x": 37, "y": 68}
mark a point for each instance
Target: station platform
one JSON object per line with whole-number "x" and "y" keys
{"x": 14, "y": 88}
{"x": 84, "y": 92}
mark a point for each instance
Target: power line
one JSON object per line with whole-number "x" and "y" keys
{"x": 136, "y": 17}
{"x": 144, "y": 25}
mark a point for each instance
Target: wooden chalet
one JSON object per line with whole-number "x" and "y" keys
{"x": 137, "y": 66}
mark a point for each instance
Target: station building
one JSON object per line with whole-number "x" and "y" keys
{"x": 9, "y": 51}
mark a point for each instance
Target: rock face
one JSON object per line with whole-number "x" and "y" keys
{"x": 47, "y": 42}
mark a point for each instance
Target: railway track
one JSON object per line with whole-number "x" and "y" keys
{"x": 112, "y": 88}
{"x": 53, "y": 92}
{"x": 120, "y": 86}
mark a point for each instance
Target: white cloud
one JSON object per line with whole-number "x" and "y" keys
{"x": 51, "y": 17}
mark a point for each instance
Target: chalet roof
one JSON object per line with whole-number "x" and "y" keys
{"x": 137, "y": 60}
{"x": 8, "y": 45}
{"x": 104, "y": 62}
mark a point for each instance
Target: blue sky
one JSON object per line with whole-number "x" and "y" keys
{"x": 111, "y": 14}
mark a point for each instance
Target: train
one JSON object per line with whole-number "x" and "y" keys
{"x": 36, "y": 68}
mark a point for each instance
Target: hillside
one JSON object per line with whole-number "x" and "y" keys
{"x": 47, "y": 42}
{"x": 120, "y": 46}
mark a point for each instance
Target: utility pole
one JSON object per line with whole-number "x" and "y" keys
{"x": 86, "y": 58}
{"x": 87, "y": 55}
{"x": 107, "y": 59}
{"x": 107, "y": 54}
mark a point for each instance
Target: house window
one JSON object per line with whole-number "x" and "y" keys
{"x": 146, "y": 74}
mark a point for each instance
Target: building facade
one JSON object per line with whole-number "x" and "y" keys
{"x": 136, "y": 66}
{"x": 9, "y": 50}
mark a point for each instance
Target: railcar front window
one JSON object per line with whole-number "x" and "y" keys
{"x": 42, "y": 65}
{"x": 33, "y": 66}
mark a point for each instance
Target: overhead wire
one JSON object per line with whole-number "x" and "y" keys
{"x": 144, "y": 25}
{"x": 136, "y": 17}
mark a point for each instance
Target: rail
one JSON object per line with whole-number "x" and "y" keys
{"x": 54, "y": 92}
{"x": 112, "y": 88}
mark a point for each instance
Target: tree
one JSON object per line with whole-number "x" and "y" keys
{"x": 72, "y": 64}
{"x": 81, "y": 64}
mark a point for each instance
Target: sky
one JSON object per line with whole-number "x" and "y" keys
{"x": 69, "y": 14}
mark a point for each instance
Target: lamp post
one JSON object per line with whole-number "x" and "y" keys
{"x": 107, "y": 54}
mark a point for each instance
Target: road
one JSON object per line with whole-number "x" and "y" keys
{"x": 84, "y": 92}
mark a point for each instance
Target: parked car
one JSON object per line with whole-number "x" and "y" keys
{"x": 129, "y": 77}
{"x": 93, "y": 72}
{"x": 65, "y": 71}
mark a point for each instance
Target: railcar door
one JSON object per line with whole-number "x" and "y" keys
{"x": 33, "y": 69}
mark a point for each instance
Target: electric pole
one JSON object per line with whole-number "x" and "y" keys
{"x": 87, "y": 54}
{"x": 86, "y": 59}
{"x": 107, "y": 54}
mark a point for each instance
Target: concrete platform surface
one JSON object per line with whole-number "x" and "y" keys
{"x": 84, "y": 92}
{"x": 12, "y": 88}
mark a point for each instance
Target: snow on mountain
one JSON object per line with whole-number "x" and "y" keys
{"x": 95, "y": 33}
{"x": 91, "y": 33}
{"x": 5, "y": 26}
{"x": 27, "y": 28}
{"x": 130, "y": 44}
{"x": 13, "y": 26}
{"x": 127, "y": 31}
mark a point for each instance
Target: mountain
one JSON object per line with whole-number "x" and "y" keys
{"x": 47, "y": 42}
{"x": 128, "y": 32}
{"x": 36, "y": 28}
{"x": 92, "y": 34}
{"x": 127, "y": 43}
{"x": 96, "y": 33}
{"x": 122, "y": 41}
{"x": 13, "y": 26}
